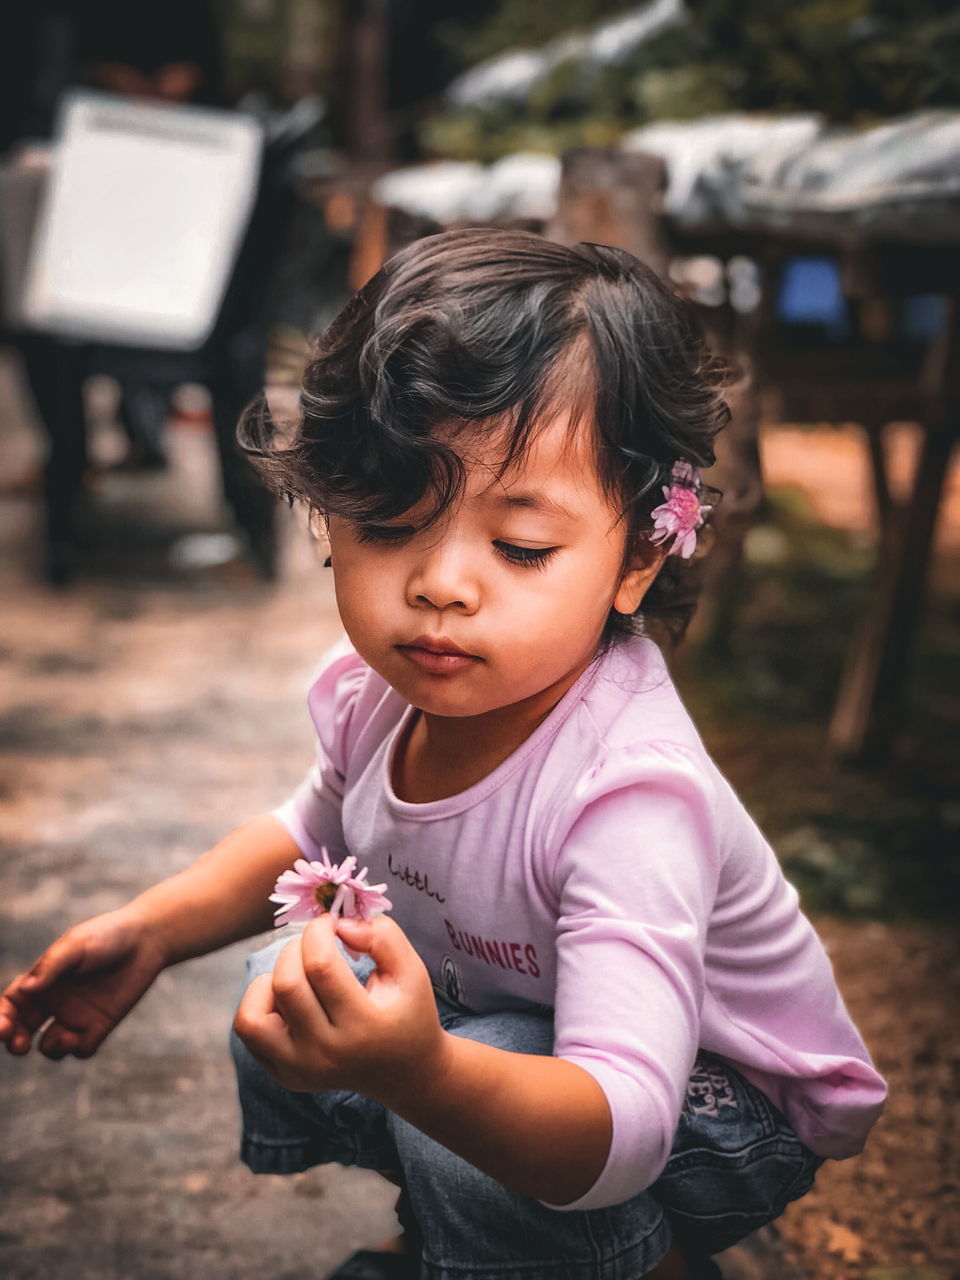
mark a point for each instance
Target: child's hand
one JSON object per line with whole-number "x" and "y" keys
{"x": 85, "y": 983}
{"x": 313, "y": 1026}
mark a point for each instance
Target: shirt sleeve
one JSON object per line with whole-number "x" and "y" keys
{"x": 637, "y": 871}
{"x": 312, "y": 814}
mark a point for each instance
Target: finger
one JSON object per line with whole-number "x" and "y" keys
{"x": 19, "y": 1019}
{"x": 16, "y": 1001}
{"x": 57, "y": 1041}
{"x": 11, "y": 1014}
{"x": 80, "y": 1033}
{"x": 258, "y": 1003}
{"x": 383, "y": 941}
{"x": 327, "y": 971}
{"x": 62, "y": 955}
{"x": 19, "y": 1042}
{"x": 16, "y": 1032}
{"x": 259, "y": 1024}
{"x": 300, "y": 1005}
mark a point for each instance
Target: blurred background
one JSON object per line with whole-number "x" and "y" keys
{"x": 188, "y": 194}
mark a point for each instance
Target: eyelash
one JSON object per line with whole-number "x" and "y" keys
{"x": 524, "y": 557}
{"x": 528, "y": 557}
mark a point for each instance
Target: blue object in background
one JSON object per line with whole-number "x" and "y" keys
{"x": 923, "y": 317}
{"x": 810, "y": 294}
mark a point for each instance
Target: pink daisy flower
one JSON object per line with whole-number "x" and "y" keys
{"x": 312, "y": 888}
{"x": 679, "y": 518}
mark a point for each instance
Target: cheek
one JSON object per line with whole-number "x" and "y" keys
{"x": 369, "y": 589}
{"x": 355, "y": 585}
{"x": 557, "y": 612}
{"x": 358, "y": 597}
{"x": 589, "y": 583}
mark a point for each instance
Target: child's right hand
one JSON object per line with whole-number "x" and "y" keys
{"x": 84, "y": 984}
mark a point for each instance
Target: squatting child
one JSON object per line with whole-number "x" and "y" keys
{"x": 596, "y": 1038}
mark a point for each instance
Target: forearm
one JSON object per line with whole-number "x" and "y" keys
{"x": 223, "y": 896}
{"x": 539, "y": 1125}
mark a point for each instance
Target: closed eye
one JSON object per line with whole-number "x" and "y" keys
{"x": 534, "y": 557}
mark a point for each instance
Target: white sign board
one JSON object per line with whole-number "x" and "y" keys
{"x": 141, "y": 221}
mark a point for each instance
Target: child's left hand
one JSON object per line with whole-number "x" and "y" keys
{"x": 312, "y": 1026}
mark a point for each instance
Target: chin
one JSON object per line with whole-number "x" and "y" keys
{"x": 444, "y": 703}
{"x": 439, "y": 698}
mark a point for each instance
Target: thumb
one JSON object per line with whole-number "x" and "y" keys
{"x": 381, "y": 939}
{"x": 64, "y": 954}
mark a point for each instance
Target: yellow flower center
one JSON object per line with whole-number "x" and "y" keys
{"x": 324, "y": 894}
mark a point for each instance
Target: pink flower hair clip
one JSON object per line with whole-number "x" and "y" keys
{"x": 676, "y": 521}
{"x": 312, "y": 888}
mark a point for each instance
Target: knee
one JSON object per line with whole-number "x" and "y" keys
{"x": 263, "y": 961}
{"x": 513, "y": 1030}
{"x": 472, "y": 1223}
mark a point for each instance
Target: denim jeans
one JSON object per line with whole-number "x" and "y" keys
{"x": 735, "y": 1165}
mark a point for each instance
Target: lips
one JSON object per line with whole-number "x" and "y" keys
{"x": 437, "y": 655}
{"x": 436, "y": 644}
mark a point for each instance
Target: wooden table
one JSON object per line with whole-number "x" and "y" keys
{"x": 613, "y": 197}
{"x": 872, "y": 383}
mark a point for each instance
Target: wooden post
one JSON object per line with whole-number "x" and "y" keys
{"x": 360, "y": 106}
{"x": 612, "y": 197}
{"x": 871, "y": 692}
{"x": 370, "y": 246}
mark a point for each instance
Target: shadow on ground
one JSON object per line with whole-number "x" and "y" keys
{"x": 145, "y": 712}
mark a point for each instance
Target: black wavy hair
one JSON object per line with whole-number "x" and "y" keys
{"x": 500, "y": 327}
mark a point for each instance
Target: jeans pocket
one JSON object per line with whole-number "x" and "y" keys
{"x": 736, "y": 1162}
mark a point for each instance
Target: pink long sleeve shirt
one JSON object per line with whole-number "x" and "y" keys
{"x": 606, "y": 870}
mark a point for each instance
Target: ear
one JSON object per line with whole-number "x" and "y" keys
{"x": 318, "y": 526}
{"x": 636, "y": 581}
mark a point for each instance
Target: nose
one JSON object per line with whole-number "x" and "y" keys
{"x": 442, "y": 578}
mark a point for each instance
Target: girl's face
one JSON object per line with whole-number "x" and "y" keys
{"x": 505, "y": 598}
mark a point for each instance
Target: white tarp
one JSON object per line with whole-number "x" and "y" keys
{"x": 522, "y": 185}
{"x": 706, "y": 157}
{"x": 436, "y": 191}
{"x": 900, "y": 179}
{"x": 141, "y": 221}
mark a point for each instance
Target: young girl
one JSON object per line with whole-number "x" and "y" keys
{"x": 596, "y": 1038}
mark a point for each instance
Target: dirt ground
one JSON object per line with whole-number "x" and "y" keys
{"x": 153, "y": 706}
{"x": 896, "y": 1205}
{"x": 144, "y": 714}
{"x": 880, "y": 845}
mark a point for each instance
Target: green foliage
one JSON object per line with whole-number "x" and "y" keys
{"x": 846, "y": 58}
{"x": 524, "y": 24}
{"x": 483, "y": 137}
{"x": 681, "y": 93}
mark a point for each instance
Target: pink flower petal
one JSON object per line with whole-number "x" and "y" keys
{"x": 676, "y": 520}
{"x": 297, "y": 891}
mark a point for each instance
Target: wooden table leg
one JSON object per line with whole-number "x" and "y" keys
{"x": 869, "y": 701}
